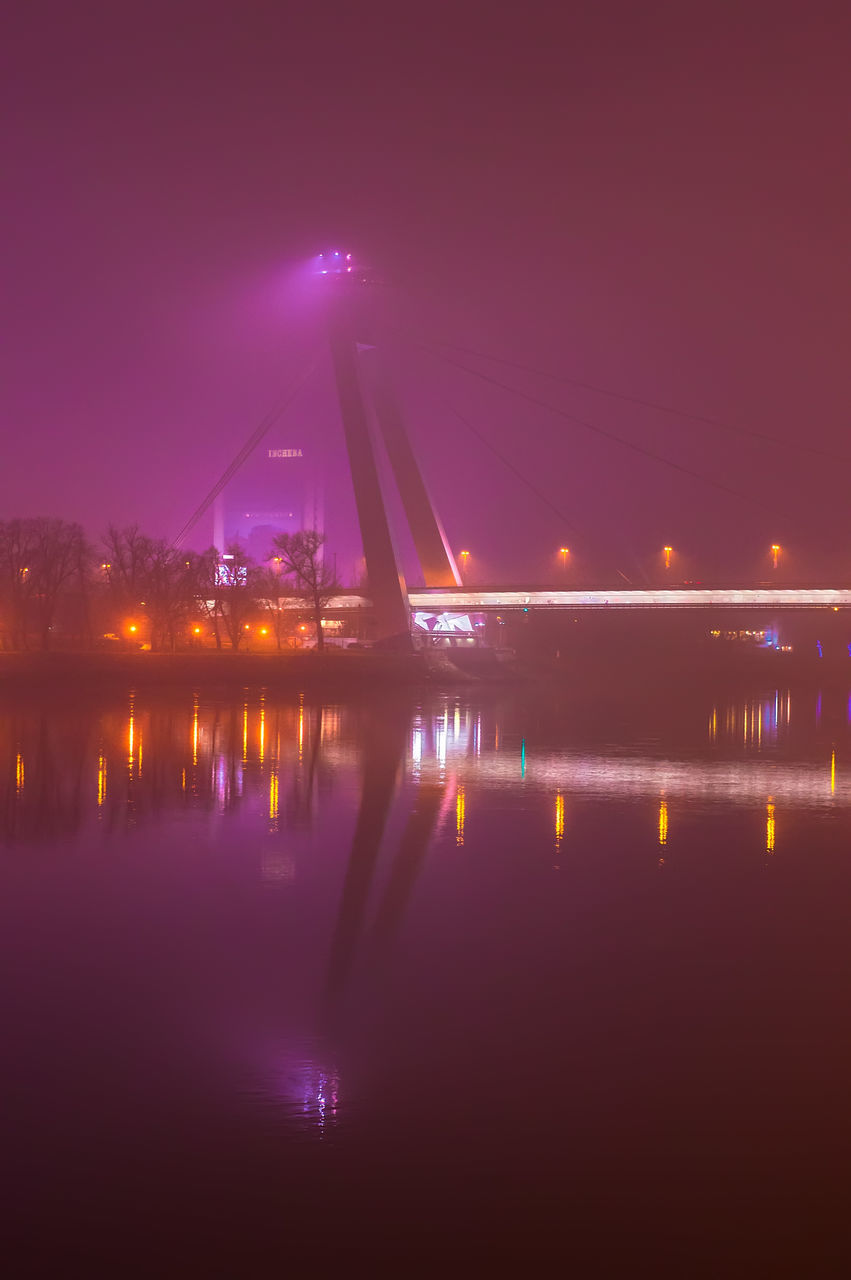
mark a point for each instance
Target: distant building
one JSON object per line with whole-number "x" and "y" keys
{"x": 278, "y": 489}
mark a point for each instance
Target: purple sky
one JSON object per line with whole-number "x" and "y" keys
{"x": 650, "y": 197}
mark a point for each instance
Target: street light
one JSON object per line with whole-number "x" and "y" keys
{"x": 667, "y": 553}
{"x": 775, "y": 554}
{"x": 564, "y": 552}
{"x": 465, "y": 556}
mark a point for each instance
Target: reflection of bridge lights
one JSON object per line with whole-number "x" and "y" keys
{"x": 417, "y": 744}
{"x": 833, "y": 772}
{"x": 330, "y": 730}
{"x": 101, "y": 779}
{"x": 460, "y": 813}
{"x": 221, "y": 783}
{"x": 321, "y": 1099}
{"x": 305, "y": 1089}
{"x": 663, "y": 821}
{"x": 769, "y": 827}
{"x": 273, "y": 796}
{"x": 441, "y": 731}
{"x": 131, "y": 741}
{"x": 559, "y": 820}
{"x": 19, "y": 773}
{"x": 753, "y": 720}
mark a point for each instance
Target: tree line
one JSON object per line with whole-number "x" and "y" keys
{"x": 55, "y": 585}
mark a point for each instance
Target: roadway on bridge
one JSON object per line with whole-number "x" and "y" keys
{"x": 484, "y": 599}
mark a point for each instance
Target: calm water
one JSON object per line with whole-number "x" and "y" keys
{"x": 289, "y": 986}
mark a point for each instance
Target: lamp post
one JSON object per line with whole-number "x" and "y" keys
{"x": 465, "y": 556}
{"x": 564, "y": 552}
{"x": 667, "y": 552}
{"x": 775, "y": 554}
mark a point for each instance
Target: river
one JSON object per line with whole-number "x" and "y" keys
{"x": 425, "y": 982}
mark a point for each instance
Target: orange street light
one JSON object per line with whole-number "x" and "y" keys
{"x": 132, "y": 627}
{"x": 667, "y": 552}
{"x": 775, "y": 554}
{"x": 564, "y": 552}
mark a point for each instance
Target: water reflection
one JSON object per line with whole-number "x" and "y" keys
{"x": 460, "y": 810}
{"x": 362, "y": 799}
{"x": 307, "y": 1091}
{"x": 383, "y": 754}
{"x": 663, "y": 821}
{"x": 275, "y": 762}
{"x": 756, "y": 722}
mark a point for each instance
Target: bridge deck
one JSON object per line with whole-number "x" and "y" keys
{"x": 483, "y": 599}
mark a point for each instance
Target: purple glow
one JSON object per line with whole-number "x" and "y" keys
{"x": 212, "y": 302}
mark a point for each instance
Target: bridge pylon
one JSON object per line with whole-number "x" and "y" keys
{"x": 370, "y": 410}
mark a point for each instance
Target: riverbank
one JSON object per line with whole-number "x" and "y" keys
{"x": 295, "y": 670}
{"x": 338, "y": 673}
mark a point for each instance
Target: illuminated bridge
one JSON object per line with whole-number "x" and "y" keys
{"x": 464, "y": 600}
{"x": 381, "y": 457}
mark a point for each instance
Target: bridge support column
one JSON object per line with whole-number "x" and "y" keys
{"x": 386, "y": 582}
{"x": 433, "y": 551}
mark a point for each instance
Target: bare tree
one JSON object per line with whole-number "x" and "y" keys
{"x": 59, "y": 557}
{"x": 150, "y": 573}
{"x": 237, "y": 591}
{"x": 270, "y": 590}
{"x": 40, "y": 557}
{"x": 16, "y": 550}
{"x": 209, "y": 602}
{"x": 303, "y": 562}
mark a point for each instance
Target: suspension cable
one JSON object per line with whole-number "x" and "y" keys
{"x": 247, "y": 449}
